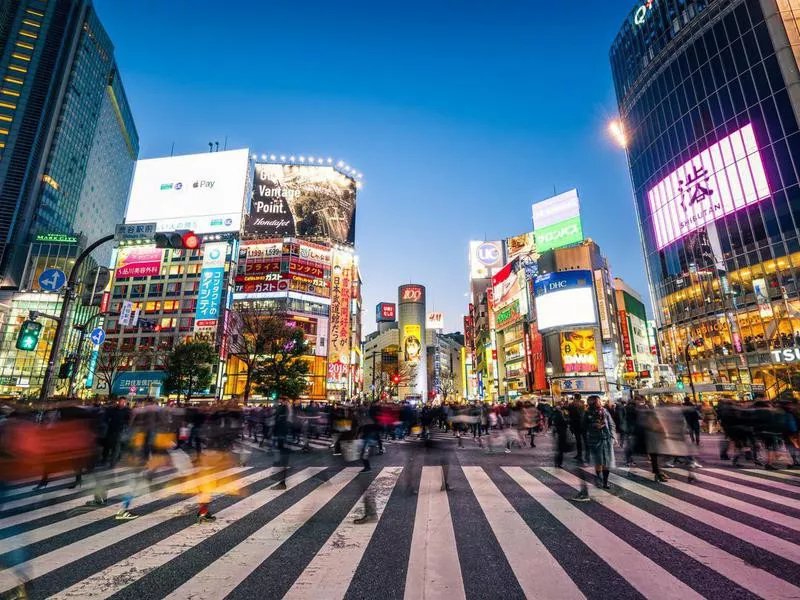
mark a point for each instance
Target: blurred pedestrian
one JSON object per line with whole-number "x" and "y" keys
{"x": 600, "y": 435}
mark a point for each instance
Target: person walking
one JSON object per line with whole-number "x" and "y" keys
{"x": 560, "y": 417}
{"x": 692, "y": 415}
{"x": 600, "y": 436}
{"x": 576, "y": 411}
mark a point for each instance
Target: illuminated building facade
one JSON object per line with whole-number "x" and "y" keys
{"x": 708, "y": 98}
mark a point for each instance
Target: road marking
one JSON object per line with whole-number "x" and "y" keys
{"x": 731, "y": 502}
{"x": 329, "y": 574}
{"x": 539, "y": 574}
{"x": 778, "y": 485}
{"x": 734, "y": 568}
{"x": 219, "y": 578}
{"x": 41, "y": 565}
{"x": 795, "y": 477}
{"x": 649, "y": 578}
{"x": 114, "y": 492}
{"x": 434, "y": 571}
{"x": 749, "y": 491}
{"x": 122, "y": 574}
{"x": 106, "y": 476}
{"x": 751, "y": 535}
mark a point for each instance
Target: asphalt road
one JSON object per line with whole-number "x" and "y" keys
{"x": 507, "y": 528}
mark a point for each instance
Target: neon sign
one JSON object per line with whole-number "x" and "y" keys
{"x": 725, "y": 177}
{"x": 641, "y": 13}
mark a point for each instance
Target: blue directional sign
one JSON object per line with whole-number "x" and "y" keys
{"x": 52, "y": 280}
{"x": 98, "y": 336}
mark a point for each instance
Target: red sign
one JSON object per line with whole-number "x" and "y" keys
{"x": 626, "y": 337}
{"x": 306, "y": 268}
{"x": 138, "y": 262}
{"x": 386, "y": 312}
{"x": 336, "y": 371}
{"x": 262, "y": 266}
{"x": 412, "y": 293}
{"x": 104, "y": 302}
{"x": 537, "y": 356}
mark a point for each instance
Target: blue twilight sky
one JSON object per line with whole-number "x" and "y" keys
{"x": 459, "y": 114}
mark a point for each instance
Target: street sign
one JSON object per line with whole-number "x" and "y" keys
{"x": 98, "y": 336}
{"x": 132, "y": 390}
{"x": 52, "y": 280}
{"x": 139, "y": 231}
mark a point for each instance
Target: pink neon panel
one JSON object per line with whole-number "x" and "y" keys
{"x": 722, "y": 179}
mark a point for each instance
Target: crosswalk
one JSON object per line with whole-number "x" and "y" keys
{"x": 501, "y": 531}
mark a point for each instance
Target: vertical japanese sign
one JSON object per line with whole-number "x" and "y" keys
{"x": 341, "y": 294}
{"x": 626, "y": 340}
{"x": 211, "y": 282}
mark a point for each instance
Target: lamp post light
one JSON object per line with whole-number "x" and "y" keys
{"x": 548, "y": 370}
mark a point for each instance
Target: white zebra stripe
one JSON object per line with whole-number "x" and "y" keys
{"x": 758, "y": 581}
{"x": 646, "y": 576}
{"x": 219, "y": 578}
{"x": 778, "y": 485}
{"x": 749, "y": 491}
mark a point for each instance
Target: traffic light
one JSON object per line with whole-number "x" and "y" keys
{"x": 180, "y": 239}
{"x": 273, "y": 395}
{"x": 28, "y": 335}
{"x": 395, "y": 379}
{"x": 67, "y": 369}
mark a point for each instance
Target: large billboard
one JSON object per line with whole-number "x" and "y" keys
{"x": 484, "y": 259}
{"x": 412, "y": 344}
{"x": 138, "y": 261}
{"x": 435, "y": 321}
{"x": 312, "y": 202}
{"x": 202, "y": 192}
{"x": 509, "y": 300}
{"x": 579, "y": 351}
{"x": 267, "y": 267}
{"x": 557, "y": 221}
{"x": 564, "y": 299}
{"x": 723, "y": 178}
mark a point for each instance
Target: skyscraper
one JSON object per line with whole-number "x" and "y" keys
{"x": 67, "y": 138}
{"x": 68, "y": 146}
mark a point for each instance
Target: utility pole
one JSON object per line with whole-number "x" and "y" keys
{"x": 66, "y": 304}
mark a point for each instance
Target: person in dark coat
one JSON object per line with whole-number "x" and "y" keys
{"x": 560, "y": 418}
{"x": 576, "y": 411}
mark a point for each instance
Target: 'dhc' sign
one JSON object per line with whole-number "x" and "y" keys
{"x": 414, "y": 294}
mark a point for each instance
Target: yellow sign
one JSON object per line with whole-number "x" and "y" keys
{"x": 412, "y": 344}
{"x": 579, "y": 351}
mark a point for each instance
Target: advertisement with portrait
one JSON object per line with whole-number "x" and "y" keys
{"x": 202, "y": 192}
{"x": 520, "y": 245}
{"x": 304, "y": 201}
{"x": 339, "y": 318}
{"x": 565, "y": 299}
{"x": 412, "y": 344}
{"x": 138, "y": 262}
{"x": 484, "y": 258}
{"x": 762, "y": 298}
{"x": 579, "y": 351}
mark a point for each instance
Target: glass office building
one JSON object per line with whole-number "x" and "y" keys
{"x": 708, "y": 94}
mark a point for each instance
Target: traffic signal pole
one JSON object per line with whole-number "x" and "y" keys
{"x": 66, "y": 304}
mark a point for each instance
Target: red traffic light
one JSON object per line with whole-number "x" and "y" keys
{"x": 395, "y": 379}
{"x": 190, "y": 240}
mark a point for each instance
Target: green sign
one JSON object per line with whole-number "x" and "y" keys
{"x": 559, "y": 234}
{"x": 508, "y": 315}
{"x": 61, "y": 238}
{"x": 28, "y": 336}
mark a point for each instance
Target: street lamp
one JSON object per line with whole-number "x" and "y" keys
{"x": 617, "y": 132}
{"x": 548, "y": 370}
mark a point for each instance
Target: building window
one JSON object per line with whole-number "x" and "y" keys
{"x": 173, "y": 289}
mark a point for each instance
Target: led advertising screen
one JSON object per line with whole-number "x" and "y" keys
{"x": 579, "y": 351}
{"x": 312, "y": 202}
{"x": 484, "y": 259}
{"x": 564, "y": 299}
{"x": 412, "y": 344}
{"x": 722, "y": 179}
{"x": 139, "y": 261}
{"x": 212, "y": 278}
{"x": 202, "y": 192}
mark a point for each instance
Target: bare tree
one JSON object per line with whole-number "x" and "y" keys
{"x": 253, "y": 335}
{"x": 110, "y": 361}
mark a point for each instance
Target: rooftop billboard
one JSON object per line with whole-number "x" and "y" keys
{"x": 202, "y": 192}
{"x": 311, "y": 202}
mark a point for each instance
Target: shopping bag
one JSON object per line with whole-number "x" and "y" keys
{"x": 351, "y": 450}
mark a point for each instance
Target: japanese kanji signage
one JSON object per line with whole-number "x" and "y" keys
{"x": 341, "y": 294}
{"x": 139, "y": 262}
{"x": 211, "y": 282}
